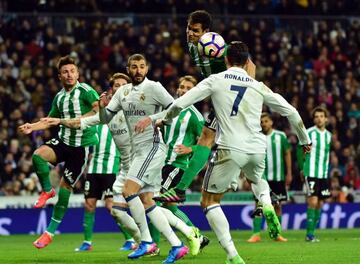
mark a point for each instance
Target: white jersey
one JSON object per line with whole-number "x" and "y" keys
{"x": 238, "y": 99}
{"x": 120, "y": 133}
{"x": 137, "y": 102}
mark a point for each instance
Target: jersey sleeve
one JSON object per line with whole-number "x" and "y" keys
{"x": 278, "y": 104}
{"x": 54, "y": 111}
{"x": 89, "y": 121}
{"x": 91, "y": 95}
{"x": 196, "y": 94}
{"x": 197, "y": 123}
{"x": 162, "y": 96}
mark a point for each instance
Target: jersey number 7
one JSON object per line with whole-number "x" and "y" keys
{"x": 241, "y": 91}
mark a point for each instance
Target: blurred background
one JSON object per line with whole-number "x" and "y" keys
{"x": 307, "y": 50}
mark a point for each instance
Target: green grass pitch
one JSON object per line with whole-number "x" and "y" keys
{"x": 336, "y": 246}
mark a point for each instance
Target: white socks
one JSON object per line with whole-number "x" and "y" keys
{"x": 159, "y": 220}
{"x": 138, "y": 213}
{"x": 262, "y": 191}
{"x": 220, "y": 226}
{"x": 176, "y": 222}
{"x": 121, "y": 216}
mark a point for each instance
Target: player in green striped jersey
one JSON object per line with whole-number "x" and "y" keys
{"x": 114, "y": 141}
{"x": 278, "y": 156}
{"x": 199, "y": 23}
{"x": 102, "y": 171}
{"x": 74, "y": 100}
{"x": 315, "y": 169}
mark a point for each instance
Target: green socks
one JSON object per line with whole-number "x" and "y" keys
{"x": 179, "y": 214}
{"x": 257, "y": 221}
{"x": 126, "y": 234}
{"x": 42, "y": 170}
{"x": 89, "y": 219}
{"x": 155, "y": 234}
{"x": 310, "y": 221}
{"x": 59, "y": 210}
{"x": 196, "y": 164}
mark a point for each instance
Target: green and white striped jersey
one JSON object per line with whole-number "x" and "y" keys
{"x": 72, "y": 104}
{"x": 276, "y": 147}
{"x": 185, "y": 129}
{"x": 106, "y": 156}
{"x": 317, "y": 162}
{"x": 206, "y": 65}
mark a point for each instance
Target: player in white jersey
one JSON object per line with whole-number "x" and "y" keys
{"x": 238, "y": 101}
{"x": 139, "y": 99}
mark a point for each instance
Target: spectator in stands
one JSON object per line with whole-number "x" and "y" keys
{"x": 312, "y": 63}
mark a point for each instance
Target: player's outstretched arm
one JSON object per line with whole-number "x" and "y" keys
{"x": 27, "y": 128}
{"x": 196, "y": 94}
{"x": 89, "y": 121}
{"x": 108, "y": 108}
{"x": 70, "y": 123}
{"x": 278, "y": 103}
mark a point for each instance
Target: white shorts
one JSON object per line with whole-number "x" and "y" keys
{"x": 146, "y": 166}
{"x": 225, "y": 167}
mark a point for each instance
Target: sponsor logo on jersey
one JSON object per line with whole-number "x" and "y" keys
{"x": 119, "y": 131}
{"x": 132, "y": 111}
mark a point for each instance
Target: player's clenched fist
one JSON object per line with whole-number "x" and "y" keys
{"x": 104, "y": 100}
{"x": 25, "y": 128}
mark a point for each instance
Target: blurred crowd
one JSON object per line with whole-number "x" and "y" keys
{"x": 221, "y": 7}
{"x": 310, "y": 62}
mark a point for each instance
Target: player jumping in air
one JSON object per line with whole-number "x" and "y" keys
{"x": 238, "y": 101}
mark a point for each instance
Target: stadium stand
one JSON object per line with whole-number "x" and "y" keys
{"x": 310, "y": 61}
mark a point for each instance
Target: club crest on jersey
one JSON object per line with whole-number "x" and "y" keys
{"x": 142, "y": 97}
{"x": 126, "y": 92}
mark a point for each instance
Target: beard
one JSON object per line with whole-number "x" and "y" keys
{"x": 137, "y": 79}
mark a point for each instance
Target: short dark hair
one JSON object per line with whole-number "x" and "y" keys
{"x": 320, "y": 109}
{"x": 202, "y": 17}
{"x": 119, "y": 75}
{"x": 136, "y": 57}
{"x": 65, "y": 61}
{"x": 237, "y": 53}
{"x": 266, "y": 114}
